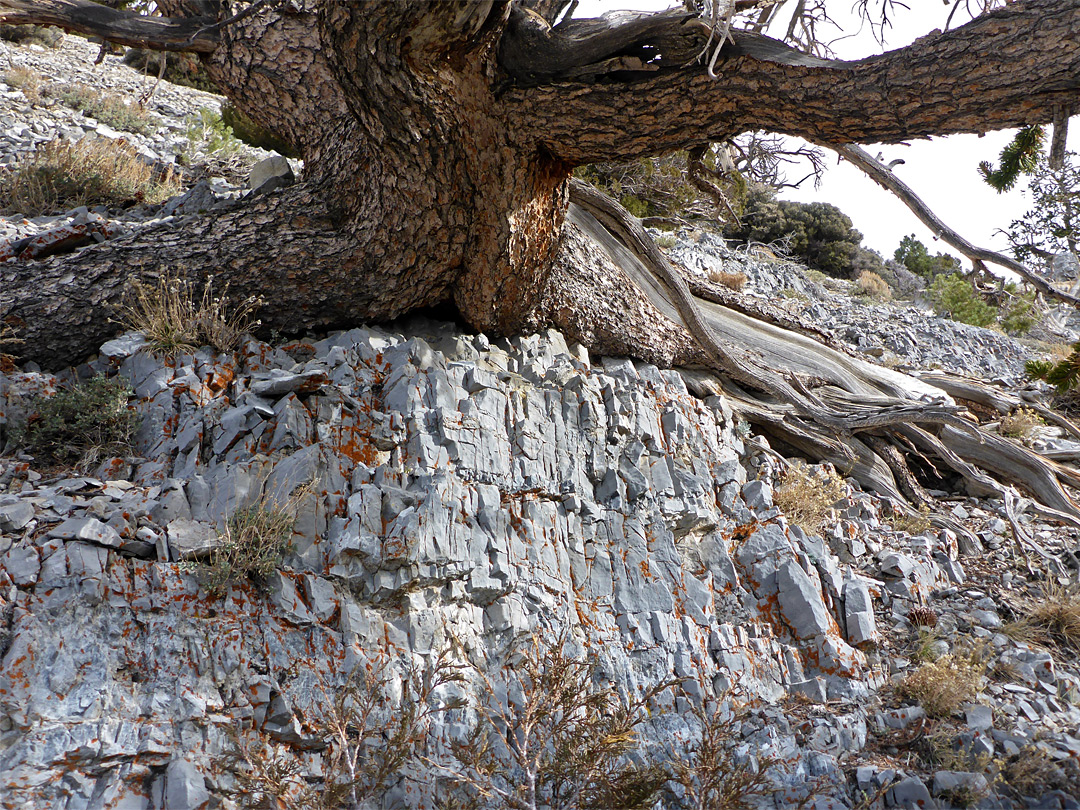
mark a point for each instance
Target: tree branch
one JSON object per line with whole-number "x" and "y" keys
{"x": 885, "y": 178}
{"x": 1008, "y": 68}
{"x": 192, "y": 34}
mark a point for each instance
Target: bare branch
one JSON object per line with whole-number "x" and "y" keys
{"x": 192, "y": 34}
{"x": 885, "y": 178}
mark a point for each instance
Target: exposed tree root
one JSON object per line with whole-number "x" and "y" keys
{"x": 820, "y": 400}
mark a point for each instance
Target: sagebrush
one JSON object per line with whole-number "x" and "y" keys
{"x": 943, "y": 685}
{"x": 81, "y": 424}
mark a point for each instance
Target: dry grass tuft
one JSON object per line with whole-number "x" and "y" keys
{"x": 807, "y": 497}
{"x": 1055, "y": 619}
{"x": 871, "y": 285}
{"x": 63, "y": 175}
{"x": 26, "y": 79}
{"x": 941, "y": 687}
{"x": 173, "y": 318}
{"x": 254, "y": 542}
{"x": 733, "y": 281}
{"x": 1034, "y": 773}
{"x": 1021, "y": 423}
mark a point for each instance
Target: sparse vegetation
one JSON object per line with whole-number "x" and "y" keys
{"x": 255, "y": 540}
{"x": 44, "y": 35}
{"x": 93, "y": 171}
{"x": 808, "y": 497}
{"x": 871, "y": 285}
{"x": 922, "y": 616}
{"x": 1021, "y": 423}
{"x": 175, "y": 318}
{"x": 942, "y": 686}
{"x": 734, "y": 281}
{"x": 562, "y": 744}
{"x": 1019, "y": 313}
{"x": 1032, "y": 773}
{"x": 180, "y": 68}
{"x": 954, "y": 297}
{"x": 26, "y": 79}
{"x": 914, "y": 522}
{"x": 80, "y": 425}
{"x": 108, "y": 108}
{"x": 710, "y": 777}
{"x": 372, "y": 726}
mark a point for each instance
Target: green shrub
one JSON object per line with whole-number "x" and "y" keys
{"x": 61, "y": 174}
{"x": 81, "y": 424}
{"x": 254, "y": 134}
{"x": 818, "y": 233}
{"x": 1020, "y": 314}
{"x": 953, "y": 295}
{"x": 208, "y": 132}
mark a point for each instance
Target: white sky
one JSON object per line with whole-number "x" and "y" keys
{"x": 942, "y": 171}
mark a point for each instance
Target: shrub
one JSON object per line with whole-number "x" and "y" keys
{"x": 1055, "y": 618}
{"x": 873, "y": 286}
{"x": 81, "y": 424}
{"x": 44, "y": 35}
{"x": 1020, "y": 423}
{"x": 1050, "y": 227}
{"x": 1032, "y": 773}
{"x": 1019, "y": 314}
{"x": 26, "y": 79}
{"x": 108, "y": 108}
{"x": 942, "y": 686}
{"x": 712, "y": 779}
{"x": 173, "y": 318}
{"x": 734, "y": 281}
{"x": 808, "y": 497}
{"x": 562, "y": 744}
{"x": 818, "y": 233}
{"x": 63, "y": 175}
{"x": 207, "y": 132}
{"x": 371, "y": 726}
{"x": 953, "y": 296}
{"x": 254, "y": 134}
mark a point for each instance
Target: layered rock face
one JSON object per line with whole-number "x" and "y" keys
{"x": 459, "y": 491}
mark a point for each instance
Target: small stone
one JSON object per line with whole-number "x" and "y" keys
{"x": 190, "y": 539}
{"x": 269, "y": 168}
{"x": 950, "y": 783}
{"x": 979, "y": 717}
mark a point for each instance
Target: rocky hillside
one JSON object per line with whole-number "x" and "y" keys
{"x": 442, "y": 521}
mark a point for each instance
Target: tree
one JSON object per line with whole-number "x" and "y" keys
{"x": 439, "y": 137}
{"x": 1052, "y": 226}
{"x": 915, "y": 257}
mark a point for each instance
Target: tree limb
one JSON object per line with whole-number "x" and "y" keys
{"x": 885, "y": 178}
{"x": 193, "y": 34}
{"x": 1007, "y": 68}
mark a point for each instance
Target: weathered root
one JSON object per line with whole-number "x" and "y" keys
{"x": 819, "y": 400}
